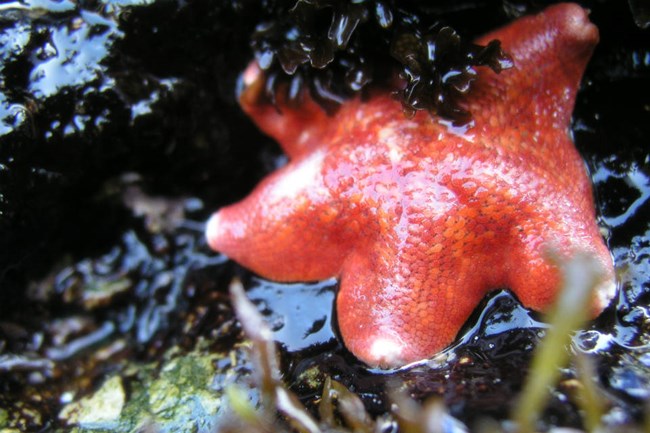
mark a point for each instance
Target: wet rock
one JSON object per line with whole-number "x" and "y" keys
{"x": 101, "y": 410}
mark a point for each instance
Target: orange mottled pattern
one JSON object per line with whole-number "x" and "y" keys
{"x": 420, "y": 219}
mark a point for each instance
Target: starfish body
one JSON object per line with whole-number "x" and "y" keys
{"x": 420, "y": 219}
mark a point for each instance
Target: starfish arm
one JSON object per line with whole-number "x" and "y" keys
{"x": 551, "y": 51}
{"x": 538, "y": 250}
{"x": 393, "y": 310}
{"x": 287, "y": 229}
{"x": 408, "y": 295}
{"x": 297, "y": 126}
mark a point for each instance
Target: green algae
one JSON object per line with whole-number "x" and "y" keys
{"x": 4, "y": 417}
{"x": 176, "y": 395}
{"x": 181, "y": 393}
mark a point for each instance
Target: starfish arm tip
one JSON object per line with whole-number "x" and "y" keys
{"x": 575, "y": 20}
{"x": 384, "y": 352}
{"x": 213, "y": 230}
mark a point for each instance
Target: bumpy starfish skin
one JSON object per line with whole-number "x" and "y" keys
{"x": 420, "y": 220}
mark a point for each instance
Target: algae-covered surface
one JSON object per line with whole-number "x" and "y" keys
{"x": 120, "y": 134}
{"x": 184, "y": 392}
